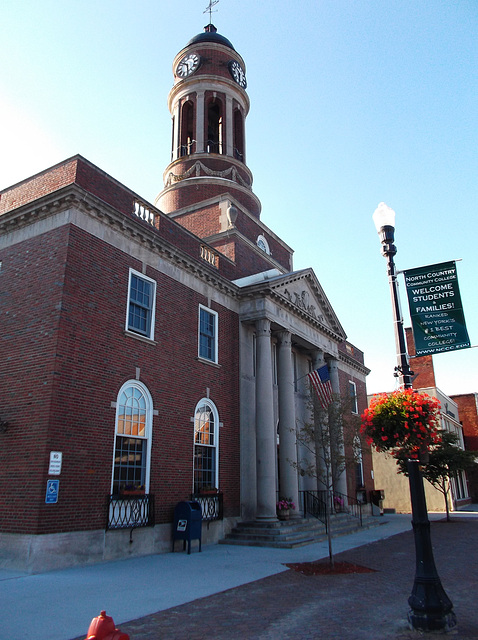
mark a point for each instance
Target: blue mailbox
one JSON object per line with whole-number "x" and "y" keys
{"x": 187, "y": 523}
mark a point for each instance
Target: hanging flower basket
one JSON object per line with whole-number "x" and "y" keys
{"x": 402, "y": 421}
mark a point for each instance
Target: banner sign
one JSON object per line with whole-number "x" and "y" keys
{"x": 438, "y": 322}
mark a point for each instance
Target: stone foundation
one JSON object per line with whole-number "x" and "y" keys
{"x": 40, "y": 553}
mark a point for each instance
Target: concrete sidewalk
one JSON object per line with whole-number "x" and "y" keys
{"x": 59, "y": 605}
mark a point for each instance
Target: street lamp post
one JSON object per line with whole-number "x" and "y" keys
{"x": 430, "y": 607}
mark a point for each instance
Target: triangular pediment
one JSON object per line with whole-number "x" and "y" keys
{"x": 302, "y": 293}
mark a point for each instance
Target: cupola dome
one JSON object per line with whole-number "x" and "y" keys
{"x": 210, "y": 34}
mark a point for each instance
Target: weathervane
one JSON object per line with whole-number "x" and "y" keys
{"x": 212, "y": 3}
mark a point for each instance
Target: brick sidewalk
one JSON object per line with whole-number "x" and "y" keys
{"x": 368, "y": 606}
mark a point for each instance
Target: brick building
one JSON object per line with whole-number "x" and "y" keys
{"x": 152, "y": 352}
{"x": 467, "y": 404}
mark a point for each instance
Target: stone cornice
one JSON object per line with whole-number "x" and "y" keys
{"x": 74, "y": 197}
{"x": 308, "y": 275}
{"x": 38, "y": 210}
{"x": 305, "y": 315}
{"x": 354, "y": 364}
{"x": 265, "y": 288}
{"x": 201, "y": 170}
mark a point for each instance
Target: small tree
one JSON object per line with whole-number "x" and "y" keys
{"x": 326, "y": 437}
{"x": 445, "y": 460}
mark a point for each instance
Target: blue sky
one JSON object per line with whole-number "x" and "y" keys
{"x": 353, "y": 102}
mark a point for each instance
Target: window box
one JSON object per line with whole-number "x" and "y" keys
{"x": 208, "y": 492}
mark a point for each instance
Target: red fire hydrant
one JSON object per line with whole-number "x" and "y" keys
{"x": 103, "y": 628}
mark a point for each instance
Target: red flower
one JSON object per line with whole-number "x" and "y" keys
{"x": 403, "y": 420}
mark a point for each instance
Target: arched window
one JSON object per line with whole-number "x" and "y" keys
{"x": 206, "y": 446}
{"x": 214, "y": 126}
{"x": 238, "y": 135}
{"x": 263, "y": 244}
{"x": 187, "y": 129}
{"x": 132, "y": 453}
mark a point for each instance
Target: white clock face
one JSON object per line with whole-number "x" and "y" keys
{"x": 188, "y": 65}
{"x": 237, "y": 72}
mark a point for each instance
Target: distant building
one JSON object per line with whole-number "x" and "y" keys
{"x": 396, "y": 486}
{"x": 154, "y": 353}
{"x": 468, "y": 411}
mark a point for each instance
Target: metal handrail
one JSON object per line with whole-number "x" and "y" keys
{"x": 238, "y": 154}
{"x": 214, "y": 146}
{"x": 314, "y": 506}
{"x": 342, "y": 503}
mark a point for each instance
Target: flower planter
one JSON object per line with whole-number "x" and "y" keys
{"x": 283, "y": 514}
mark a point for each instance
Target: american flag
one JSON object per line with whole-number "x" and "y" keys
{"x": 320, "y": 379}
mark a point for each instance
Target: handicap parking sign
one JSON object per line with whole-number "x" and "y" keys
{"x": 52, "y": 487}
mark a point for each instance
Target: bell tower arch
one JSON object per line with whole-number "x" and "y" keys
{"x": 208, "y": 105}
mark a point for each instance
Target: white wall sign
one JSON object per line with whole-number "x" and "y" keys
{"x": 55, "y": 463}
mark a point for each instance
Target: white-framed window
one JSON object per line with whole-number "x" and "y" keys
{"x": 263, "y": 244}
{"x": 353, "y": 397}
{"x": 132, "y": 450}
{"x": 207, "y": 341}
{"x": 206, "y": 446}
{"x": 141, "y": 304}
{"x": 459, "y": 485}
{"x": 357, "y": 449}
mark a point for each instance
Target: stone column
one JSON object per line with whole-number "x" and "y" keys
{"x": 229, "y": 127}
{"x": 304, "y": 418}
{"x": 265, "y": 429}
{"x": 288, "y": 482}
{"x": 341, "y": 484}
{"x": 200, "y": 122}
{"x": 176, "y": 130}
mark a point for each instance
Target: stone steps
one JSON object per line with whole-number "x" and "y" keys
{"x": 298, "y": 532}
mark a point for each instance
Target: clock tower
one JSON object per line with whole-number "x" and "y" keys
{"x": 208, "y": 185}
{"x": 208, "y": 104}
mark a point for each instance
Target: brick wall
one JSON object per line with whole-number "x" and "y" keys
{"x": 354, "y": 423}
{"x": 32, "y": 280}
{"x": 468, "y": 415}
{"x": 192, "y": 191}
{"x": 422, "y": 366}
{"x": 66, "y": 297}
{"x": 79, "y": 171}
{"x": 39, "y": 185}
